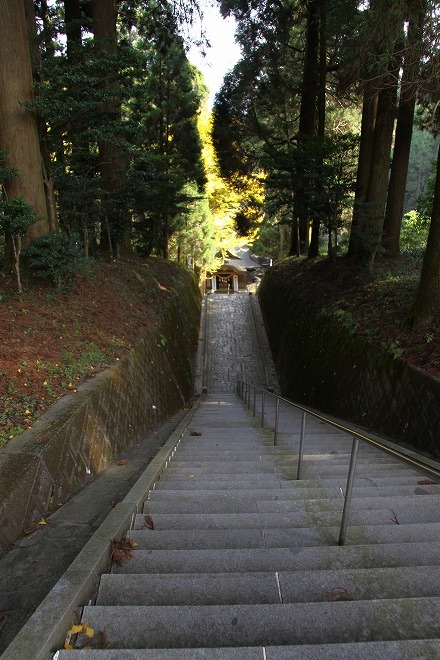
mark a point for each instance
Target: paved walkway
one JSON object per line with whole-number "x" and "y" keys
{"x": 236, "y": 345}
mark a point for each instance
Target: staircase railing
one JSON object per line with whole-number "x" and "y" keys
{"x": 248, "y": 392}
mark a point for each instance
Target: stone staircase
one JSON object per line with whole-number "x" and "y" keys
{"x": 243, "y": 561}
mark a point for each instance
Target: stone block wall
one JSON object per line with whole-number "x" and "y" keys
{"x": 84, "y": 433}
{"x": 325, "y": 367}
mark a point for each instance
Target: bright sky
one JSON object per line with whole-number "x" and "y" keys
{"x": 222, "y": 55}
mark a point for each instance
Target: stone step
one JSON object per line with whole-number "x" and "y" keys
{"x": 287, "y": 469}
{"x": 292, "y": 558}
{"x": 204, "y": 456}
{"x": 278, "y": 500}
{"x": 176, "y": 480}
{"x": 392, "y": 650}
{"x": 283, "y": 538}
{"x": 232, "y": 538}
{"x": 290, "y": 489}
{"x": 285, "y": 517}
{"x": 274, "y": 587}
{"x": 265, "y": 625}
{"x": 189, "y": 589}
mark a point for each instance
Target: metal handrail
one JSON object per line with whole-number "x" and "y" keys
{"x": 416, "y": 461}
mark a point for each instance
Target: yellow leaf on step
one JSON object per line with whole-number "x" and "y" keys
{"x": 75, "y": 629}
{"x": 68, "y": 647}
{"x": 81, "y": 629}
{"x": 88, "y": 631}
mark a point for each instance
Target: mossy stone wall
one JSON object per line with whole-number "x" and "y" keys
{"x": 323, "y": 366}
{"x": 84, "y": 433}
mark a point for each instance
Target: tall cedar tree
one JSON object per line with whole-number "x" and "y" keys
{"x": 404, "y": 126}
{"x": 18, "y": 126}
{"x": 116, "y": 235}
{"x": 427, "y": 301}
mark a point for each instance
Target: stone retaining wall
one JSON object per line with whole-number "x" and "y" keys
{"x": 84, "y": 433}
{"x": 323, "y": 366}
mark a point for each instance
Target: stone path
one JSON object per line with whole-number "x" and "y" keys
{"x": 236, "y": 345}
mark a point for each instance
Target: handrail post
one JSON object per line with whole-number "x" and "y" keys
{"x": 255, "y": 402}
{"x": 248, "y": 395}
{"x": 262, "y": 408}
{"x": 349, "y": 490}
{"x": 301, "y": 445}
{"x": 277, "y": 414}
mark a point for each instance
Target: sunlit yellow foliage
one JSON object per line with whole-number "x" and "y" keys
{"x": 224, "y": 201}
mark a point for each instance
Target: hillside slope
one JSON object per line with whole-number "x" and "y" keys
{"x": 375, "y": 305}
{"x": 52, "y": 341}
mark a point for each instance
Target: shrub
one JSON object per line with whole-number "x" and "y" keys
{"x": 56, "y": 257}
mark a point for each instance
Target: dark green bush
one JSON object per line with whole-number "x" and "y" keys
{"x": 56, "y": 257}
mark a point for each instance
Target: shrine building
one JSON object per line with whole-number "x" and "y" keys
{"x": 232, "y": 276}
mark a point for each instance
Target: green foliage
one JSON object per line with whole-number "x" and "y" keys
{"x": 414, "y": 234}
{"x": 6, "y": 173}
{"x": 16, "y": 216}
{"x": 56, "y": 257}
{"x": 422, "y": 157}
{"x": 139, "y": 109}
{"x": 426, "y": 200}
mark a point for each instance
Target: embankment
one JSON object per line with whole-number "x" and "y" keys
{"x": 84, "y": 433}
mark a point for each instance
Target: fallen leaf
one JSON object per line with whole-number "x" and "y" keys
{"x": 191, "y": 476}
{"x": 148, "y": 522}
{"x": 194, "y": 433}
{"x": 123, "y": 461}
{"x": 340, "y": 593}
{"x": 121, "y": 549}
{"x": 42, "y": 522}
{"x": 88, "y": 631}
{"x": 68, "y": 647}
{"x": 426, "y": 482}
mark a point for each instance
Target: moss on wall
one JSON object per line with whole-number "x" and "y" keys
{"x": 323, "y": 365}
{"x": 86, "y": 432}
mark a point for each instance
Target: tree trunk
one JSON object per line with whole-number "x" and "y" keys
{"x": 18, "y": 126}
{"x": 404, "y": 128}
{"x": 314, "y": 239}
{"x": 49, "y": 191}
{"x": 308, "y": 111}
{"x": 369, "y": 111}
{"x": 372, "y": 226}
{"x": 112, "y": 162}
{"x": 72, "y": 25}
{"x": 427, "y": 301}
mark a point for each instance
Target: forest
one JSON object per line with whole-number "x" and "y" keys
{"x": 108, "y": 149}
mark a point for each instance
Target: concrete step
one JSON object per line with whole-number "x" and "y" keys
{"x": 265, "y": 625}
{"x": 233, "y": 538}
{"x": 302, "y": 497}
{"x": 292, "y": 558}
{"x": 172, "y": 481}
{"x": 205, "y": 457}
{"x": 283, "y": 538}
{"x": 274, "y": 587}
{"x": 392, "y": 650}
{"x": 256, "y": 467}
{"x": 189, "y": 589}
{"x": 310, "y": 489}
{"x": 269, "y": 501}
{"x": 356, "y": 534}
{"x": 286, "y": 517}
